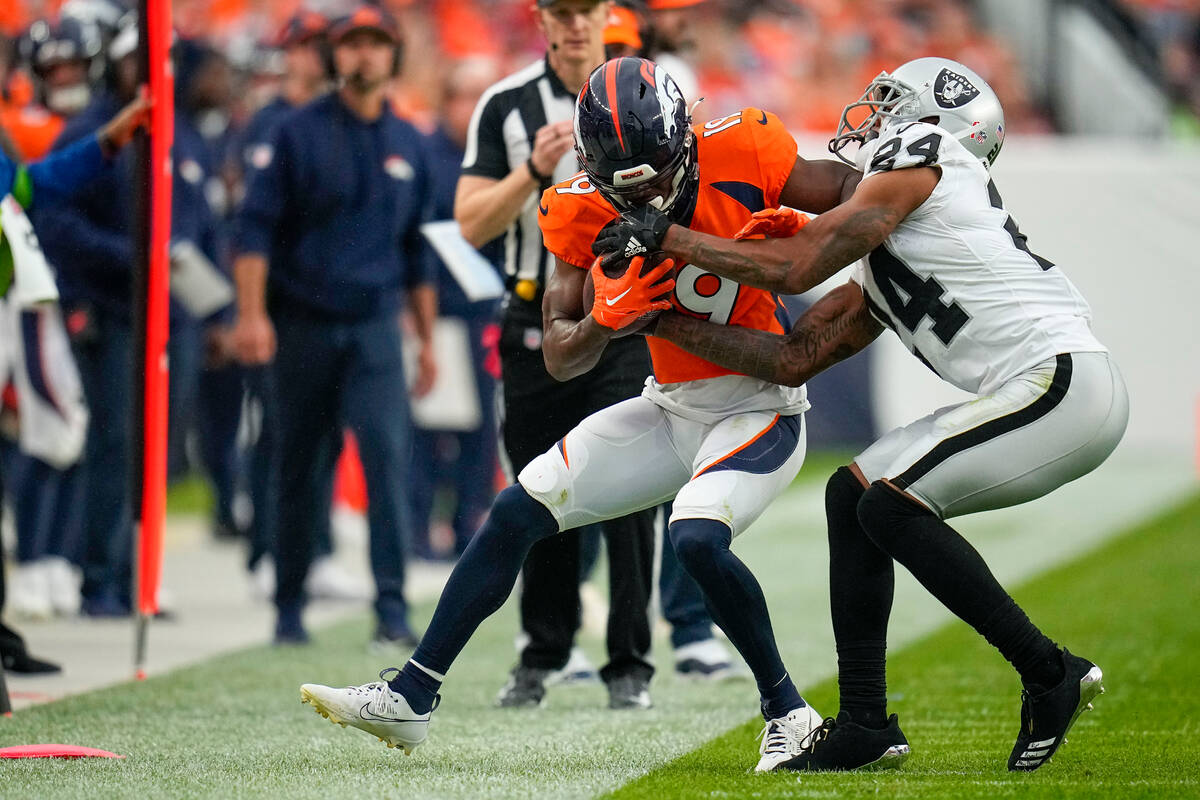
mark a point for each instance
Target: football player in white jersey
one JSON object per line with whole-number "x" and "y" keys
{"x": 945, "y": 267}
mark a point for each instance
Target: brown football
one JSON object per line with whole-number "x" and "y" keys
{"x": 589, "y": 293}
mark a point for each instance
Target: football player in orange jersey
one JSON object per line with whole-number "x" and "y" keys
{"x": 723, "y": 445}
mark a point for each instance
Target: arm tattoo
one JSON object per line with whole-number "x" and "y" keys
{"x": 745, "y": 350}
{"x": 819, "y": 343}
{"x": 834, "y": 329}
{"x": 792, "y": 265}
{"x": 853, "y": 238}
{"x": 727, "y": 258}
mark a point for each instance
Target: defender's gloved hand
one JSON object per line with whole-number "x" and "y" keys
{"x": 635, "y": 233}
{"x": 777, "y": 223}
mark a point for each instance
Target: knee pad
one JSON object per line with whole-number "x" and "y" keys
{"x": 520, "y": 516}
{"x": 696, "y": 541}
{"x": 883, "y": 512}
{"x": 842, "y": 493}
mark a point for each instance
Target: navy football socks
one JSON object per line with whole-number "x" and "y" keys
{"x": 779, "y": 699}
{"x": 736, "y": 603}
{"x": 419, "y": 686}
{"x": 478, "y": 586}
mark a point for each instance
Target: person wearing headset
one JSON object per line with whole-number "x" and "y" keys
{"x": 335, "y": 210}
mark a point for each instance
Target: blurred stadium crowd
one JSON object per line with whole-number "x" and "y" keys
{"x": 799, "y": 57}
{"x": 1173, "y": 27}
{"x": 63, "y": 68}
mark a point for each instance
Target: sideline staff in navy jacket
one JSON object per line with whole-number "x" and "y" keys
{"x": 88, "y": 239}
{"x": 336, "y": 214}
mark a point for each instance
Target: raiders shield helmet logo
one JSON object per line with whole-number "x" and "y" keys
{"x": 951, "y": 90}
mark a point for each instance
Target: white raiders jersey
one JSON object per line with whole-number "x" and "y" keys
{"x": 956, "y": 281}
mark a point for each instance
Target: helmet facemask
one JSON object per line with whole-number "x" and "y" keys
{"x": 887, "y": 99}
{"x": 643, "y": 186}
{"x": 934, "y": 90}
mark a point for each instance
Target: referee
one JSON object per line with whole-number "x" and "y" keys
{"x": 519, "y": 143}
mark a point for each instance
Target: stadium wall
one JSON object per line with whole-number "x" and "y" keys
{"x": 1122, "y": 217}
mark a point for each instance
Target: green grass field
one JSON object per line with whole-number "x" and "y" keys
{"x": 1131, "y": 607}
{"x": 234, "y": 726}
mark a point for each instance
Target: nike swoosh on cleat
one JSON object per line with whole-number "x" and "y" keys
{"x": 372, "y": 717}
{"x": 762, "y": 121}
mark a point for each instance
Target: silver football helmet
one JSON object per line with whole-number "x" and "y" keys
{"x": 937, "y": 90}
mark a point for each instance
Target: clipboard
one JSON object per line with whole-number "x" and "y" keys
{"x": 474, "y": 273}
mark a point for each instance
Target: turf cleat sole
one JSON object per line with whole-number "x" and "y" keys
{"x": 892, "y": 758}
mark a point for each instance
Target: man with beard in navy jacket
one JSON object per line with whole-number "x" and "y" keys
{"x": 329, "y": 245}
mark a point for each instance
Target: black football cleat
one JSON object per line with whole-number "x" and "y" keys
{"x": 1047, "y": 716}
{"x": 526, "y": 688}
{"x": 841, "y": 744}
{"x": 629, "y": 692}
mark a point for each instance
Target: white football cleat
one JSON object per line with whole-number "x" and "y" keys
{"x": 577, "y": 672}
{"x": 707, "y": 660}
{"x": 64, "y": 579}
{"x": 374, "y": 708}
{"x": 328, "y": 580}
{"x": 29, "y": 591}
{"x": 782, "y": 737}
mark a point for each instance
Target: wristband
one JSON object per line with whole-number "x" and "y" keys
{"x": 537, "y": 176}
{"x": 107, "y": 148}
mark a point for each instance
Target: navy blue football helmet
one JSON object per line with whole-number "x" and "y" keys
{"x": 46, "y": 45}
{"x": 633, "y": 136}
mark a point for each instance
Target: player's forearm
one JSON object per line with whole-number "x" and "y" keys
{"x": 835, "y": 328}
{"x": 484, "y": 209}
{"x": 748, "y": 351}
{"x": 572, "y": 347}
{"x": 819, "y": 186}
{"x": 792, "y": 265}
{"x": 849, "y": 184}
{"x": 422, "y": 302}
{"x": 757, "y": 263}
{"x": 250, "y": 280}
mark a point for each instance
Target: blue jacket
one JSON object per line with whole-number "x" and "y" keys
{"x": 52, "y": 179}
{"x": 252, "y": 144}
{"x": 445, "y": 159}
{"x": 87, "y": 237}
{"x": 337, "y": 212}
{"x": 195, "y": 166}
{"x": 55, "y": 177}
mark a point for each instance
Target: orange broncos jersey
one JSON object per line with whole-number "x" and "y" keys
{"x": 32, "y": 129}
{"x": 744, "y": 160}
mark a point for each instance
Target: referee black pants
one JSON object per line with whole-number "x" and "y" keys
{"x": 538, "y": 411}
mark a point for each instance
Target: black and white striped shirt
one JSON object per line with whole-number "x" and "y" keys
{"x": 500, "y": 140}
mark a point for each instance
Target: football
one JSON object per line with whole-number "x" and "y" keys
{"x": 589, "y": 291}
